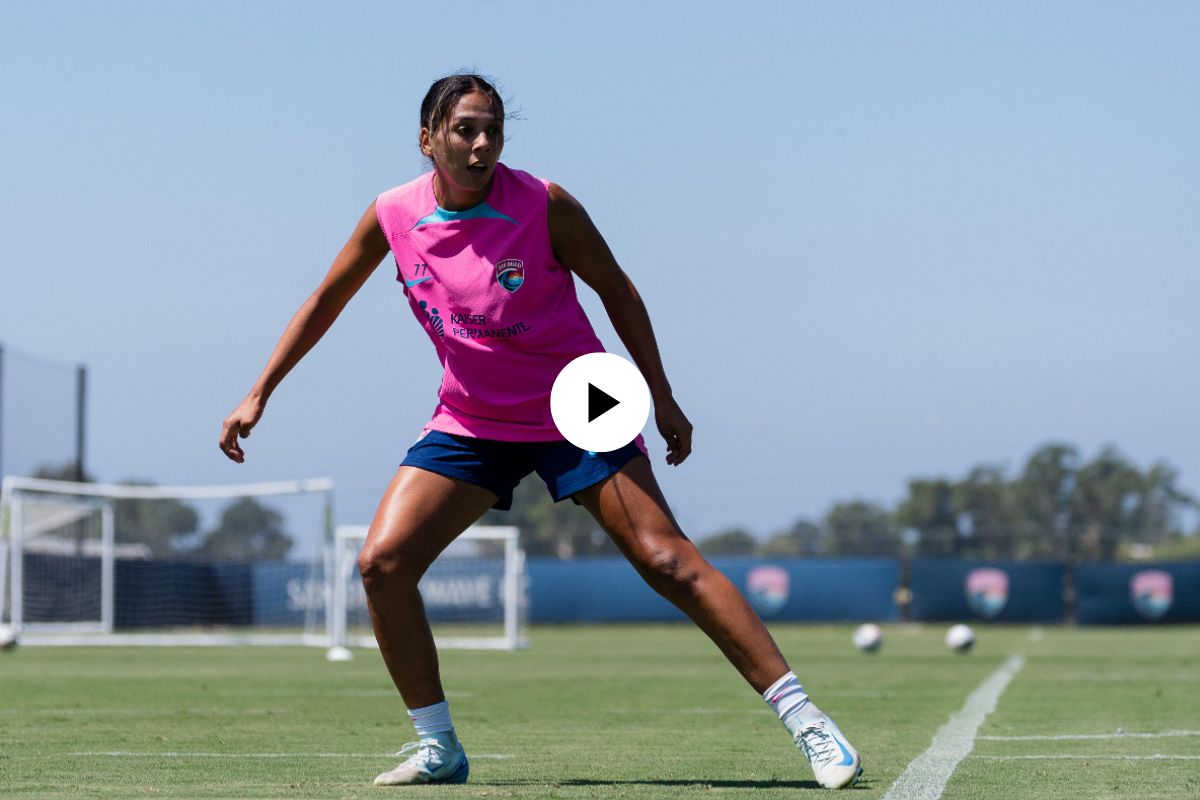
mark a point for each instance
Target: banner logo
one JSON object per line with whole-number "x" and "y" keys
{"x": 768, "y": 588}
{"x": 1152, "y": 592}
{"x": 987, "y": 591}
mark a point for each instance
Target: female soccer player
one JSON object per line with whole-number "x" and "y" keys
{"x": 485, "y": 255}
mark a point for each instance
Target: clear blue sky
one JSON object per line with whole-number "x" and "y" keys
{"x": 877, "y": 241}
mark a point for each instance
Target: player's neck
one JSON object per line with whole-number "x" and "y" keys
{"x": 456, "y": 198}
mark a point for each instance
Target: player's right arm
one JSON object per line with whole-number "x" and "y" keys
{"x": 359, "y": 257}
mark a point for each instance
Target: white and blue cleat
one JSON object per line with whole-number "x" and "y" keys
{"x": 835, "y": 763}
{"x": 438, "y": 759}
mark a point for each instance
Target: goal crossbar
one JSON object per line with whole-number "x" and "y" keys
{"x": 118, "y": 491}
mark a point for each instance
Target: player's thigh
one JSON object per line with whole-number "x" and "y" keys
{"x": 420, "y": 514}
{"x": 630, "y": 506}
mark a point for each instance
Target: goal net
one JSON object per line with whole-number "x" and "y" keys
{"x": 474, "y": 594}
{"x": 85, "y": 563}
{"x": 42, "y": 414}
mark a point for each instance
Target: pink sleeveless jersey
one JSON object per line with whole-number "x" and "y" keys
{"x": 499, "y": 308}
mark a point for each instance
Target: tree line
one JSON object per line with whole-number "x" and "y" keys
{"x": 246, "y": 530}
{"x": 1057, "y": 505}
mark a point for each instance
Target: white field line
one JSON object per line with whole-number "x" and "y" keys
{"x": 217, "y": 710}
{"x": 926, "y": 776}
{"x": 757, "y": 710}
{"x": 1071, "y": 737}
{"x": 1058, "y": 757}
{"x": 151, "y": 754}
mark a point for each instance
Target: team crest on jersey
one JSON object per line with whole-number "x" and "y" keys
{"x": 1152, "y": 592}
{"x": 510, "y": 273}
{"x": 987, "y": 591}
{"x": 768, "y": 588}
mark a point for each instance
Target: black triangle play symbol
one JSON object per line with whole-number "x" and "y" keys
{"x": 599, "y": 402}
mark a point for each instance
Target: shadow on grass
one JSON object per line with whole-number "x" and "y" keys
{"x": 769, "y": 784}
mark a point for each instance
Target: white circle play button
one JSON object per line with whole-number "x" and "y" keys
{"x": 600, "y": 402}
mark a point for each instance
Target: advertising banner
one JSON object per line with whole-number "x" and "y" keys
{"x": 610, "y": 590}
{"x": 947, "y": 589}
{"x": 1117, "y": 594}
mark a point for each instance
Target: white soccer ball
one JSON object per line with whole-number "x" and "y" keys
{"x": 8, "y": 637}
{"x": 868, "y": 638}
{"x": 339, "y": 653}
{"x": 960, "y": 638}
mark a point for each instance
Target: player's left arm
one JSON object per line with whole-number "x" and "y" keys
{"x": 579, "y": 247}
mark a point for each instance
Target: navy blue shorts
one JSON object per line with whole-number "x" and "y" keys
{"x": 500, "y": 466}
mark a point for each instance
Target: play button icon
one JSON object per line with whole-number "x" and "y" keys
{"x": 600, "y": 402}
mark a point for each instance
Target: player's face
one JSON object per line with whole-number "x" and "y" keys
{"x": 466, "y": 150}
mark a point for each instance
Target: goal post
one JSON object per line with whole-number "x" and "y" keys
{"x": 83, "y": 600}
{"x": 90, "y": 564}
{"x": 475, "y": 593}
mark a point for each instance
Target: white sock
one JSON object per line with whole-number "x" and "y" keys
{"x": 432, "y": 719}
{"x": 786, "y": 696}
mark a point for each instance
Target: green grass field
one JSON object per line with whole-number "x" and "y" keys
{"x": 605, "y": 712}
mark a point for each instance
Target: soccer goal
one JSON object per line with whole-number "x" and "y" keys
{"x": 87, "y": 564}
{"x": 474, "y": 594}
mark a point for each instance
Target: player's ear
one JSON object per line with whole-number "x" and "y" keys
{"x": 426, "y": 143}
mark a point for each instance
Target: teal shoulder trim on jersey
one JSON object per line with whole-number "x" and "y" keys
{"x": 481, "y": 211}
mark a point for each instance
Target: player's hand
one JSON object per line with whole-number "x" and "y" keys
{"x": 675, "y": 428}
{"x": 238, "y": 424}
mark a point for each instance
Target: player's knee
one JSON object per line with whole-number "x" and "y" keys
{"x": 371, "y": 567}
{"x": 380, "y": 567}
{"x": 673, "y": 567}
